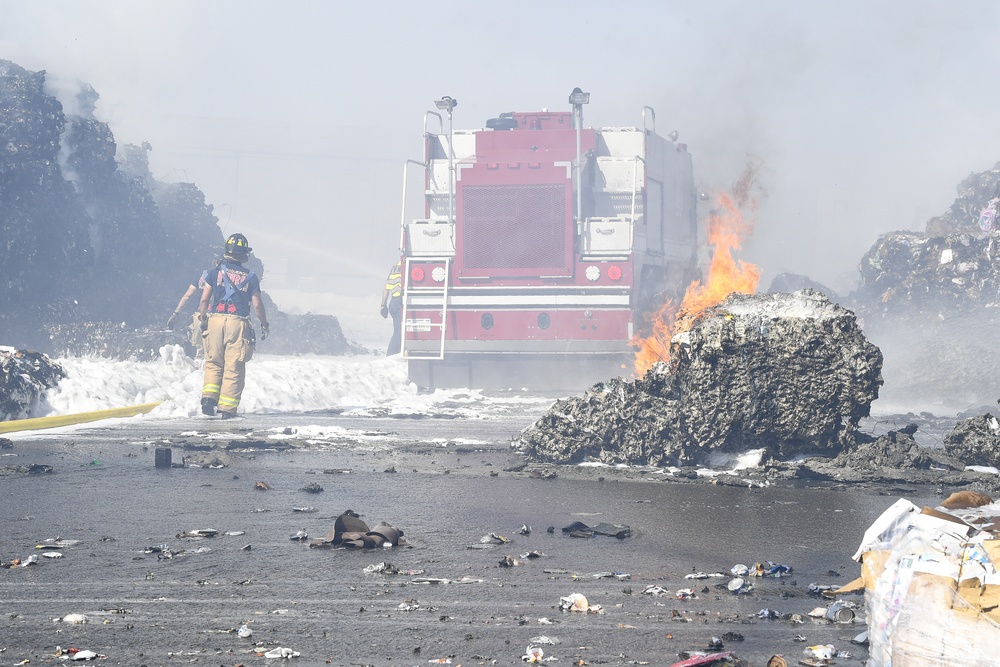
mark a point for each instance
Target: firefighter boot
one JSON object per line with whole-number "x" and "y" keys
{"x": 208, "y": 406}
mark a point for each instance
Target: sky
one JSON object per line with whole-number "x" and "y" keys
{"x": 296, "y": 117}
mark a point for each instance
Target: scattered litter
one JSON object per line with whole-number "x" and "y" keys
{"x": 51, "y": 554}
{"x": 432, "y": 580}
{"x": 740, "y": 570}
{"x": 819, "y": 589}
{"x": 686, "y": 594}
{"x": 703, "y": 659}
{"x": 244, "y": 631}
{"x": 578, "y": 602}
{"x": 235, "y": 533}
{"x": 703, "y": 575}
{"x": 493, "y": 538}
{"x": 312, "y": 488}
{"x": 840, "y": 612}
{"x": 351, "y": 532}
{"x": 543, "y": 640}
{"x": 525, "y": 529}
{"x": 299, "y": 536}
{"x": 580, "y": 529}
{"x": 822, "y": 651}
{"x": 75, "y": 619}
{"x": 769, "y": 569}
{"x": 281, "y": 652}
{"x": 198, "y": 533}
{"x": 261, "y": 486}
{"x": 389, "y": 568}
{"x": 57, "y": 543}
{"x": 534, "y": 654}
{"x": 75, "y": 654}
{"x": 305, "y": 510}
{"x": 510, "y": 561}
{"x": 739, "y": 586}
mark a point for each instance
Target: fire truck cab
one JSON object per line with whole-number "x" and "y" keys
{"x": 542, "y": 245}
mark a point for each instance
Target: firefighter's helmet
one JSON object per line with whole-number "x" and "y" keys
{"x": 237, "y": 244}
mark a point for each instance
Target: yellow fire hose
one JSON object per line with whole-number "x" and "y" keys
{"x": 78, "y": 418}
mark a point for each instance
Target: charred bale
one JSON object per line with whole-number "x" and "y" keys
{"x": 898, "y": 450}
{"x": 975, "y": 441}
{"x": 788, "y": 373}
{"x": 24, "y": 377}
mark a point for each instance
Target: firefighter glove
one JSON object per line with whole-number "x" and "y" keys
{"x": 171, "y": 320}
{"x": 204, "y": 323}
{"x": 384, "y": 311}
{"x": 265, "y": 329}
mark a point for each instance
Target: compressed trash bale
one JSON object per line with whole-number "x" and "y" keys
{"x": 974, "y": 193}
{"x": 931, "y": 591}
{"x": 975, "y": 441}
{"x": 24, "y": 376}
{"x": 930, "y": 301}
{"x": 788, "y": 373}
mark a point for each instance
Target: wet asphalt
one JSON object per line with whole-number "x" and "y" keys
{"x": 447, "y": 483}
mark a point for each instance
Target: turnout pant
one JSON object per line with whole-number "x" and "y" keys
{"x": 227, "y": 349}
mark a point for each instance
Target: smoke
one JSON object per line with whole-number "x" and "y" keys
{"x": 865, "y": 115}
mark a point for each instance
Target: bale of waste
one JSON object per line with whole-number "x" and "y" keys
{"x": 932, "y": 588}
{"x": 931, "y": 301}
{"x": 24, "y": 376}
{"x": 974, "y": 194}
{"x": 787, "y": 373}
{"x": 975, "y": 441}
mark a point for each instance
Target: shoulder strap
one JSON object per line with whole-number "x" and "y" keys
{"x": 230, "y": 288}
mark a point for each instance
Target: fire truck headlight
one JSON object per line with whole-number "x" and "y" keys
{"x": 487, "y": 321}
{"x": 416, "y": 274}
{"x": 592, "y": 273}
{"x": 437, "y": 273}
{"x": 615, "y": 272}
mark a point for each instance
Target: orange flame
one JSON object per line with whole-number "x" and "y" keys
{"x": 727, "y": 227}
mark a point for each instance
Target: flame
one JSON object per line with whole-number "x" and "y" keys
{"x": 728, "y": 224}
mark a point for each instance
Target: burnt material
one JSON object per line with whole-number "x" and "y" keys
{"x": 789, "y": 373}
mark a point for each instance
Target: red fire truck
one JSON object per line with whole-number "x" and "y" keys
{"x": 542, "y": 245}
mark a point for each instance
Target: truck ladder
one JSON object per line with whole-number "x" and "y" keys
{"x": 412, "y": 325}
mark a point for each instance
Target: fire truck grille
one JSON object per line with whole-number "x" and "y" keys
{"x": 514, "y": 226}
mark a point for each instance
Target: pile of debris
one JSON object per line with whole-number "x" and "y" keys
{"x": 907, "y": 272}
{"x": 974, "y": 195}
{"x": 975, "y": 441}
{"x": 786, "y": 373}
{"x": 24, "y": 376}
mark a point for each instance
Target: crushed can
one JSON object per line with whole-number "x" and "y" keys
{"x": 838, "y": 612}
{"x": 163, "y": 457}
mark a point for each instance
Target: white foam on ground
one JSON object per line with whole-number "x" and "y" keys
{"x": 364, "y": 385}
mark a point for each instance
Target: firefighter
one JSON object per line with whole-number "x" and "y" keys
{"x": 392, "y": 304}
{"x": 195, "y": 327}
{"x": 229, "y": 292}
